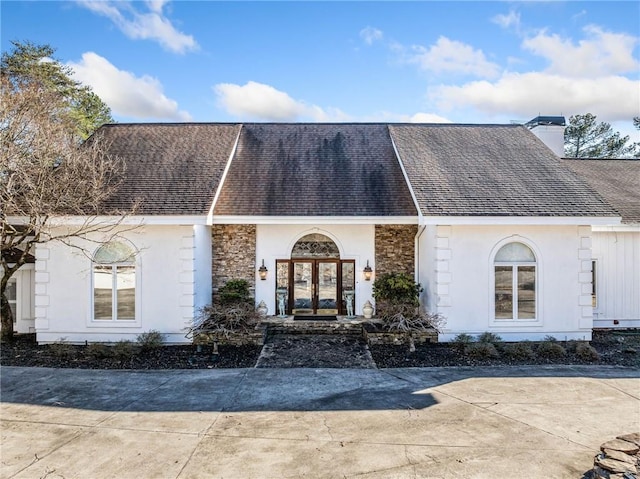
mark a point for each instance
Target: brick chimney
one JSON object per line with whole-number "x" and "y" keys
{"x": 550, "y": 129}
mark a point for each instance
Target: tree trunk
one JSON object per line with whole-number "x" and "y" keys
{"x": 7, "y": 320}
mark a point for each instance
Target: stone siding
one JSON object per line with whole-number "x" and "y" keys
{"x": 395, "y": 249}
{"x": 234, "y": 254}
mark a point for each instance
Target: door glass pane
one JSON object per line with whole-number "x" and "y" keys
{"x": 526, "y": 292}
{"x": 327, "y": 288}
{"x": 504, "y": 292}
{"x": 102, "y": 292}
{"x": 126, "y": 292}
{"x": 302, "y": 287}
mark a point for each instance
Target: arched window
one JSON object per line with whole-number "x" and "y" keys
{"x": 515, "y": 282}
{"x": 315, "y": 245}
{"x": 114, "y": 283}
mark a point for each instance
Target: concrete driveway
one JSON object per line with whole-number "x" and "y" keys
{"x": 520, "y": 422}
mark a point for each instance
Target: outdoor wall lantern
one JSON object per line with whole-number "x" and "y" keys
{"x": 367, "y": 272}
{"x": 262, "y": 271}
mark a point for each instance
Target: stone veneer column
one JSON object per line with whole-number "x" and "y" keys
{"x": 233, "y": 254}
{"x": 41, "y": 280}
{"x": 443, "y": 270}
{"x": 584, "y": 277}
{"x": 395, "y": 249}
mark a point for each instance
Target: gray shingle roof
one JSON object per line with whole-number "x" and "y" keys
{"x": 316, "y": 170}
{"x": 617, "y": 181}
{"x": 490, "y": 170}
{"x": 171, "y": 169}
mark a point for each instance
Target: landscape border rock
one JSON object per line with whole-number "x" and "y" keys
{"x": 618, "y": 458}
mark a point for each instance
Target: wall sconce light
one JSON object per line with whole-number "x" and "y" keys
{"x": 367, "y": 272}
{"x": 262, "y": 271}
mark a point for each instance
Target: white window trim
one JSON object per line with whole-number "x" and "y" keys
{"x": 510, "y": 322}
{"x": 117, "y": 323}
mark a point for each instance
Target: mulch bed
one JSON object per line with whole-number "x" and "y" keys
{"x": 620, "y": 348}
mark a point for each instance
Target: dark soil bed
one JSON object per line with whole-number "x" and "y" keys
{"x": 621, "y": 348}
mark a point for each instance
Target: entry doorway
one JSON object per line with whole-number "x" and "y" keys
{"x": 315, "y": 286}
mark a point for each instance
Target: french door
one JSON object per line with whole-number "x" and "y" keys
{"x": 315, "y": 286}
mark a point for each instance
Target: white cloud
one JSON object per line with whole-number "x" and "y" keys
{"x": 610, "y": 98}
{"x": 600, "y": 53}
{"x": 421, "y": 117}
{"x": 370, "y": 35}
{"x": 392, "y": 117}
{"x": 512, "y": 19}
{"x": 263, "y": 102}
{"x": 450, "y": 56}
{"x": 126, "y": 94}
{"x": 153, "y": 25}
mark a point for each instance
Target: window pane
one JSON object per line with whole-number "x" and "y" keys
{"x": 515, "y": 252}
{"x": 102, "y": 292}
{"x": 126, "y": 292}
{"x": 114, "y": 252}
{"x": 504, "y": 292}
{"x": 526, "y": 292}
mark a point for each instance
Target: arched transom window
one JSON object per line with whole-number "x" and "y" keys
{"x": 114, "y": 283}
{"x": 515, "y": 282}
{"x": 315, "y": 245}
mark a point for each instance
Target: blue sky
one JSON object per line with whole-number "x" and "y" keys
{"x": 464, "y": 62}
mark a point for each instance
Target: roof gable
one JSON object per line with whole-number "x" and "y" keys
{"x": 490, "y": 170}
{"x": 171, "y": 169}
{"x": 315, "y": 170}
{"x": 617, "y": 181}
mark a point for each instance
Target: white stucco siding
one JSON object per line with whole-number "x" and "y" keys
{"x": 617, "y": 256}
{"x": 464, "y": 286}
{"x": 165, "y": 288}
{"x": 273, "y": 242}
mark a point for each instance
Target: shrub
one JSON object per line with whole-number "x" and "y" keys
{"x": 488, "y": 337}
{"x": 62, "y": 350}
{"x": 150, "y": 340}
{"x": 98, "y": 351}
{"x": 522, "y": 350}
{"x": 406, "y": 320}
{"x": 550, "y": 349}
{"x": 461, "y": 341}
{"x": 124, "y": 349}
{"x": 482, "y": 351}
{"x": 587, "y": 352}
{"x": 223, "y": 319}
{"x": 396, "y": 289}
{"x": 235, "y": 291}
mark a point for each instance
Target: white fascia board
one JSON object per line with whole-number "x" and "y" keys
{"x": 405, "y": 175}
{"x": 519, "y": 220}
{"x": 622, "y": 228}
{"x": 129, "y": 220}
{"x": 315, "y": 220}
{"x": 224, "y": 176}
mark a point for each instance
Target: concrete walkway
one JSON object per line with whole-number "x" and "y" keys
{"x": 520, "y": 422}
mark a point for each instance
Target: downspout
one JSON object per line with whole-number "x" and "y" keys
{"x": 416, "y": 247}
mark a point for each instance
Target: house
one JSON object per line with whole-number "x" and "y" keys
{"x": 501, "y": 233}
